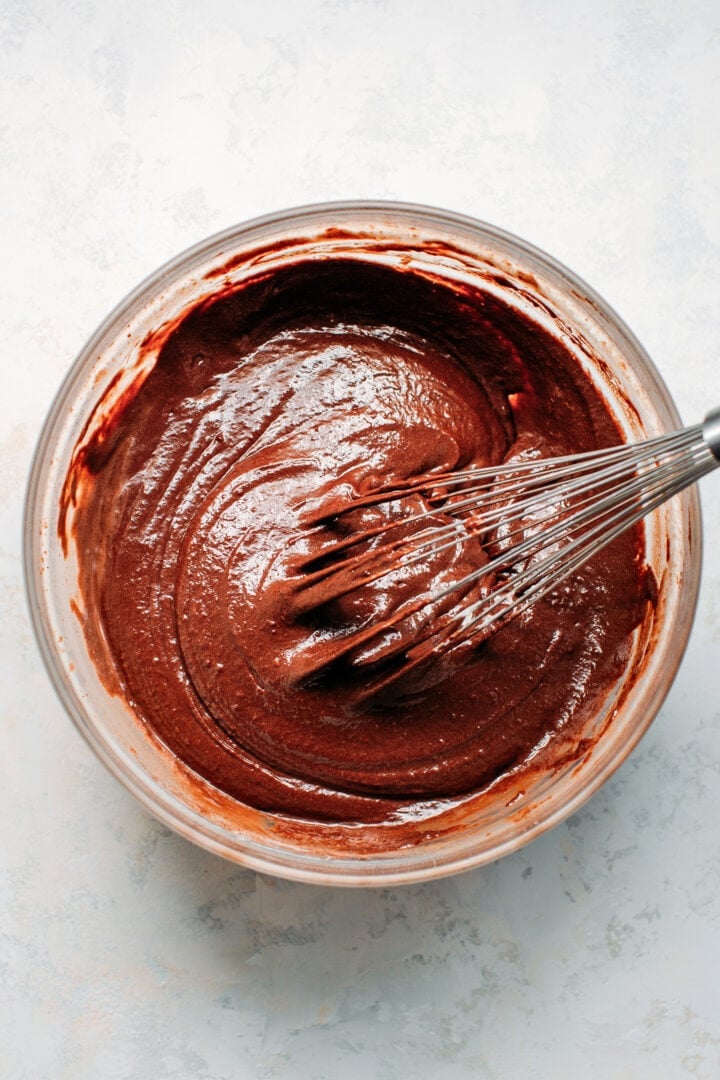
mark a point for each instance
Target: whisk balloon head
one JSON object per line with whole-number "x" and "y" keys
{"x": 523, "y": 527}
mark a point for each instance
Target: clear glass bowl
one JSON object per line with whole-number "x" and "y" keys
{"x": 496, "y": 821}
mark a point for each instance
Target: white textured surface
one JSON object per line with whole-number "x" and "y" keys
{"x": 127, "y": 132}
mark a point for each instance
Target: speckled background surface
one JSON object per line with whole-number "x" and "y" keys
{"x": 129, "y": 131}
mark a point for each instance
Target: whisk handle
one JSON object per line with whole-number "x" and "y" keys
{"x": 711, "y": 432}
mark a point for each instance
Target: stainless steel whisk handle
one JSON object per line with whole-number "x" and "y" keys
{"x": 711, "y": 432}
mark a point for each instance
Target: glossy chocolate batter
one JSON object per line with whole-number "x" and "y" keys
{"x": 209, "y": 486}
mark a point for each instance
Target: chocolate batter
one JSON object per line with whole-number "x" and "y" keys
{"x": 198, "y": 501}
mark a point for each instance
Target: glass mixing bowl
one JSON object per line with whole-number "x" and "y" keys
{"x": 498, "y": 820}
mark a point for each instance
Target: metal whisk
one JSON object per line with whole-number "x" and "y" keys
{"x": 540, "y": 520}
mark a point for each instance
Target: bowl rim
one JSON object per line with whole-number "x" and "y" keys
{"x": 171, "y": 811}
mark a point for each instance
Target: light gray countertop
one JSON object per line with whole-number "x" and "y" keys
{"x": 129, "y": 131}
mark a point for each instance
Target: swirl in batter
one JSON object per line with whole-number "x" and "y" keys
{"x": 270, "y": 402}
